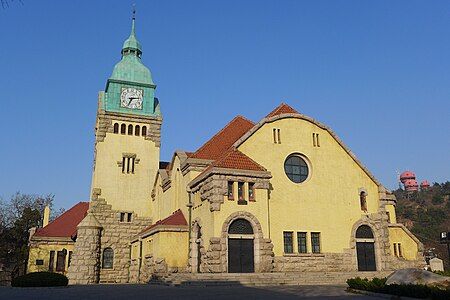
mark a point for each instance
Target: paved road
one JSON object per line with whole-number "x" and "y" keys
{"x": 133, "y": 292}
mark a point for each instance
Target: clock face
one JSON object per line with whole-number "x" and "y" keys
{"x": 131, "y": 98}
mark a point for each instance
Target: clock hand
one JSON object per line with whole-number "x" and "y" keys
{"x": 131, "y": 99}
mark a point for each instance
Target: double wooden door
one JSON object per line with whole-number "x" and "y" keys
{"x": 366, "y": 256}
{"x": 240, "y": 256}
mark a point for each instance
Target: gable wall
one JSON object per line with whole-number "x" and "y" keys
{"x": 328, "y": 201}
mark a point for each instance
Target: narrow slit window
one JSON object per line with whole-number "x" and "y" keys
{"x": 400, "y": 254}
{"x": 363, "y": 201}
{"x": 288, "y": 242}
{"x": 230, "y": 190}
{"x": 130, "y": 129}
{"x": 137, "y": 130}
{"x": 251, "y": 191}
{"x": 395, "y": 249}
{"x": 128, "y": 164}
{"x": 144, "y": 130}
{"x": 274, "y": 136}
{"x": 51, "y": 261}
{"x": 116, "y": 127}
{"x": 314, "y": 139}
{"x": 317, "y": 140}
{"x": 240, "y": 190}
{"x": 122, "y": 217}
{"x": 129, "y": 217}
{"x": 123, "y": 164}
{"x": 132, "y": 164}
{"x": 123, "y": 128}
{"x": 279, "y": 135}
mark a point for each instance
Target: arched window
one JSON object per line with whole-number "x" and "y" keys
{"x": 123, "y": 128}
{"x": 144, "y": 130}
{"x": 137, "y": 130}
{"x": 108, "y": 258}
{"x": 116, "y": 127}
{"x": 240, "y": 226}
{"x": 364, "y": 232}
{"x": 363, "y": 201}
{"x": 130, "y": 129}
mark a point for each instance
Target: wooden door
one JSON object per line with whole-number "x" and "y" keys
{"x": 240, "y": 256}
{"x": 366, "y": 256}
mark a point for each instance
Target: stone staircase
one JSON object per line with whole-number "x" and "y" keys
{"x": 262, "y": 279}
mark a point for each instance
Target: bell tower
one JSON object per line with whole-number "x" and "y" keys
{"x": 127, "y": 134}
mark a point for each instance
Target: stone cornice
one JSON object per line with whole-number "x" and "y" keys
{"x": 226, "y": 171}
{"x": 313, "y": 121}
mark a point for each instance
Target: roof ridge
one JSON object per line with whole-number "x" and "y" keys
{"x": 277, "y": 110}
{"x": 208, "y": 142}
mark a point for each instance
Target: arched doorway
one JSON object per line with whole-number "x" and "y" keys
{"x": 365, "y": 249}
{"x": 241, "y": 247}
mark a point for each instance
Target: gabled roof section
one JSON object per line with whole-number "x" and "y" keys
{"x": 175, "y": 219}
{"x": 235, "y": 159}
{"x": 283, "y": 108}
{"x": 297, "y": 115}
{"x": 66, "y": 224}
{"x": 224, "y": 139}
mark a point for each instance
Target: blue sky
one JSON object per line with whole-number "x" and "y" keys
{"x": 376, "y": 72}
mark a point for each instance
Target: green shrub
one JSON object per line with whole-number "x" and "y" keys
{"x": 378, "y": 285}
{"x": 365, "y": 284}
{"x": 443, "y": 273}
{"x": 40, "y": 279}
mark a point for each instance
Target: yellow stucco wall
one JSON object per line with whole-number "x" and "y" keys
{"x": 126, "y": 192}
{"x": 409, "y": 247}
{"x": 172, "y": 246}
{"x": 42, "y": 251}
{"x": 175, "y": 197}
{"x": 328, "y": 201}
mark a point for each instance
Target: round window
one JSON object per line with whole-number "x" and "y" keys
{"x": 296, "y": 168}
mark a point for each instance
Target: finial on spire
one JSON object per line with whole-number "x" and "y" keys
{"x": 134, "y": 11}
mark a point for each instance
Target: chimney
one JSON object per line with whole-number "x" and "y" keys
{"x": 46, "y": 216}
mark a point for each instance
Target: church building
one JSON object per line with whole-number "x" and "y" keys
{"x": 283, "y": 194}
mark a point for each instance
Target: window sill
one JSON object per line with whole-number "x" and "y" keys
{"x": 303, "y": 254}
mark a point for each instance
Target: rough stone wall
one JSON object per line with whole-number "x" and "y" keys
{"x": 326, "y": 262}
{"x": 214, "y": 188}
{"x": 85, "y": 265}
{"x": 105, "y": 124}
{"x": 117, "y": 235}
{"x": 141, "y": 272}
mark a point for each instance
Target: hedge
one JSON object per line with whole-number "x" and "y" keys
{"x": 378, "y": 285}
{"x": 36, "y": 279}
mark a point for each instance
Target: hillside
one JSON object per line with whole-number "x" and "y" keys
{"x": 427, "y": 213}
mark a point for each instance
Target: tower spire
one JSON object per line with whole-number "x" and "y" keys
{"x": 132, "y": 45}
{"x": 133, "y": 19}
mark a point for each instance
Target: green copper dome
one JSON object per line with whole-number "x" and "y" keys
{"x": 130, "y": 68}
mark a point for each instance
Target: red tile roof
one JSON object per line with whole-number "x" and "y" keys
{"x": 235, "y": 159}
{"x": 66, "y": 224}
{"x": 177, "y": 218}
{"x": 283, "y": 108}
{"x": 224, "y": 139}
